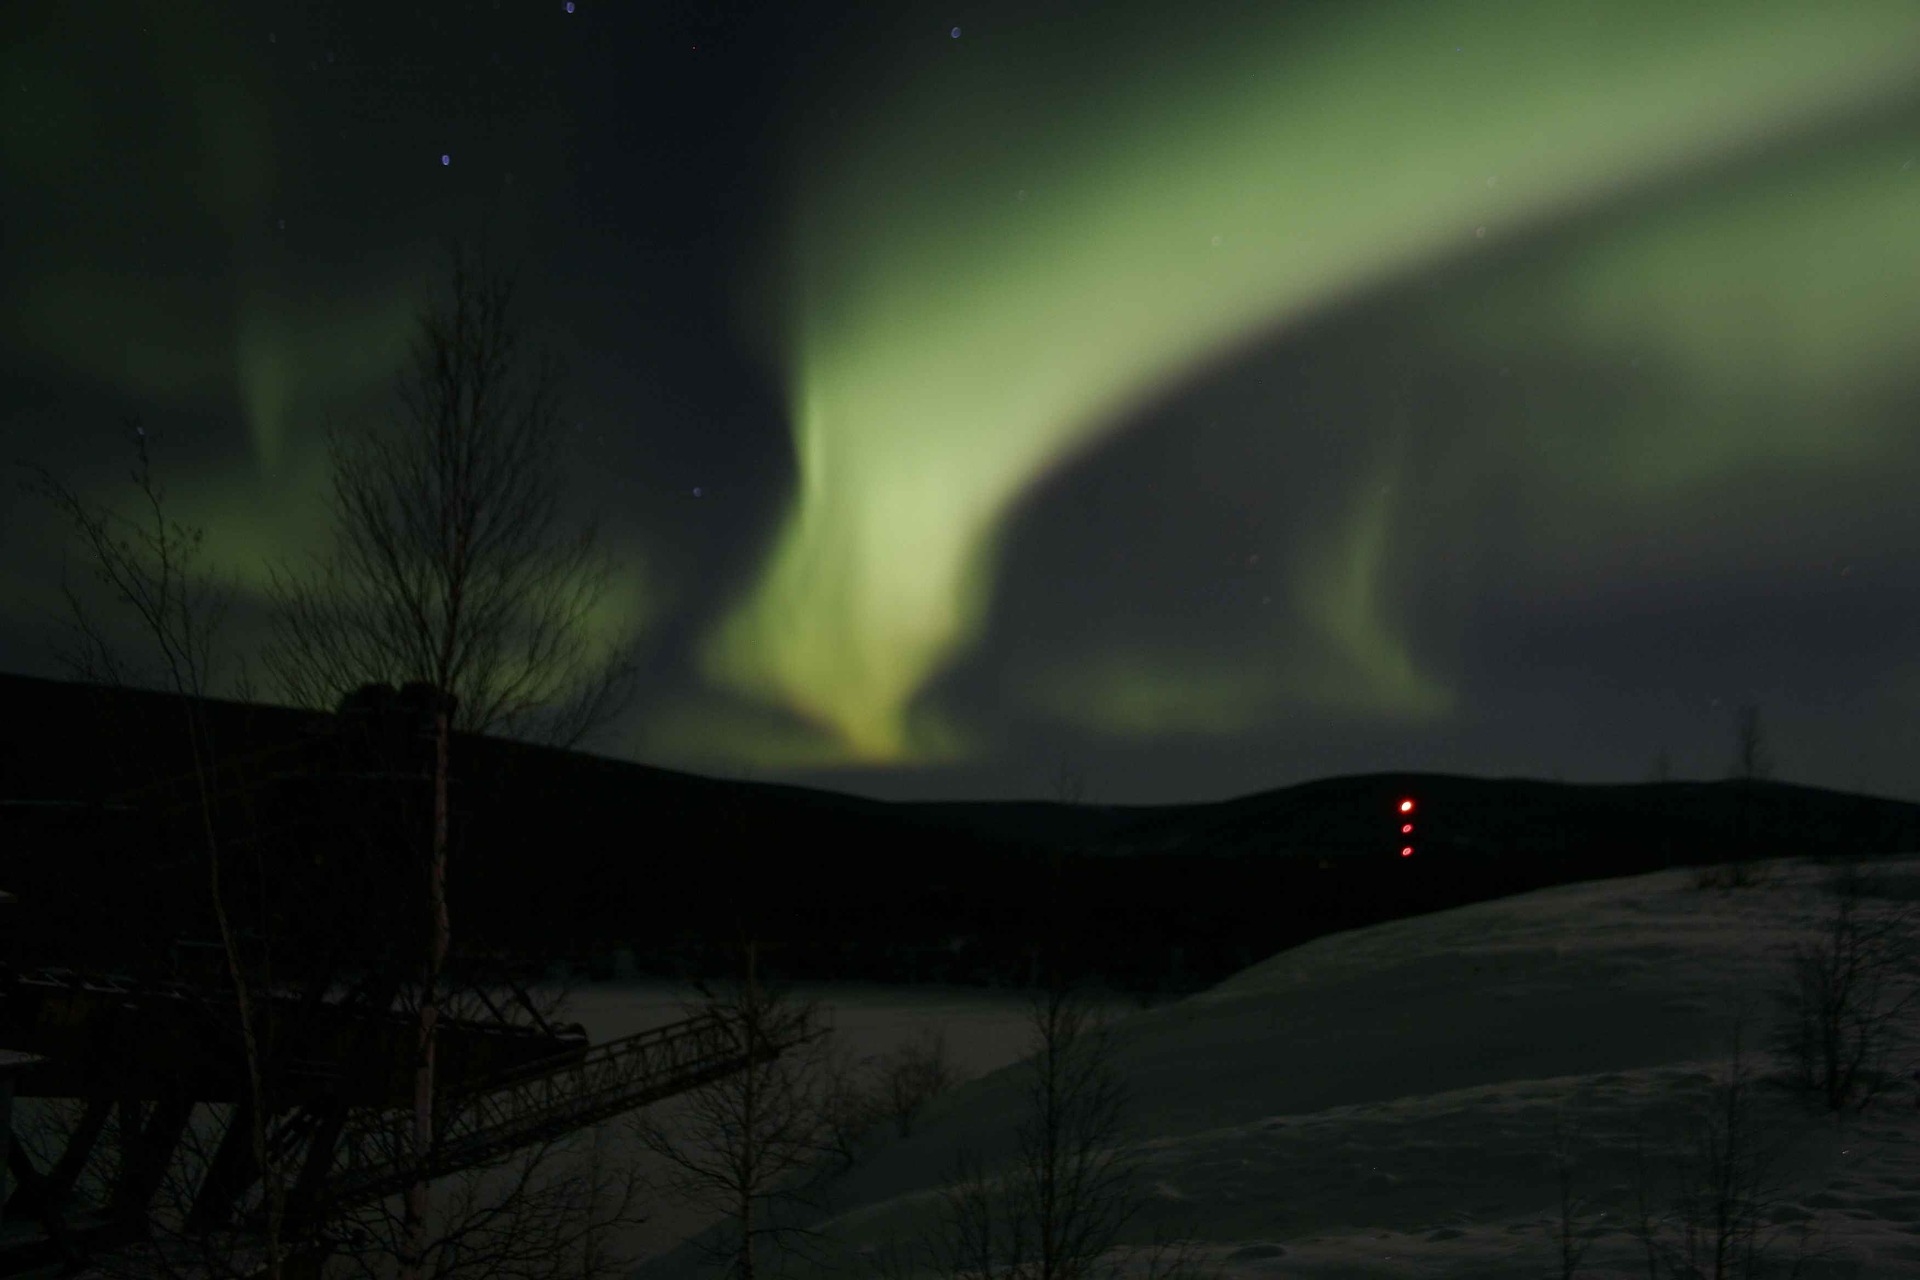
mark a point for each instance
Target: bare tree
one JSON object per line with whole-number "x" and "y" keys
{"x": 1727, "y": 1189}
{"x": 986, "y": 1226}
{"x": 913, "y": 1075}
{"x": 849, "y": 1105}
{"x": 1077, "y": 1178}
{"x": 1662, "y": 767}
{"x": 1057, "y": 1210}
{"x": 1646, "y": 1224}
{"x": 895, "y": 1088}
{"x": 449, "y": 569}
{"x": 1573, "y": 1237}
{"x": 1844, "y": 995}
{"x": 1752, "y": 761}
{"x": 556, "y": 1215}
{"x": 1048, "y": 954}
{"x": 1067, "y": 783}
{"x": 1069, "y": 1191}
{"x": 151, "y": 565}
{"x": 1729, "y": 1216}
{"x": 745, "y": 1145}
{"x": 450, "y": 563}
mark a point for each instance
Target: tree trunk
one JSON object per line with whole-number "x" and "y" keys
{"x": 413, "y": 1266}
{"x": 749, "y": 1119}
{"x": 746, "y": 1235}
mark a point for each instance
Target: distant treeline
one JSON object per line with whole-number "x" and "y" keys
{"x": 570, "y": 858}
{"x": 1151, "y": 923}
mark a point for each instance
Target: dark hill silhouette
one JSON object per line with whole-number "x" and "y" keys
{"x": 562, "y": 854}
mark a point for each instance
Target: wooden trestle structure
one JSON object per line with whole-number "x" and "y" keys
{"x": 142, "y": 1050}
{"x": 154, "y": 1067}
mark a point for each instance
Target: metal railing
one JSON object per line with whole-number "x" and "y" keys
{"x": 546, "y": 1100}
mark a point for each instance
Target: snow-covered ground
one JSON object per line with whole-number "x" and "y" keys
{"x": 1382, "y": 1102}
{"x": 985, "y": 1030}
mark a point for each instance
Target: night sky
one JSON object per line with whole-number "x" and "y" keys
{"x": 1205, "y": 396}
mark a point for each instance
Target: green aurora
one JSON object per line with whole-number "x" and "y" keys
{"x": 975, "y": 293}
{"x": 983, "y": 276}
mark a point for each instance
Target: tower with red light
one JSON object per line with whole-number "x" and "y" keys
{"x": 1404, "y": 811}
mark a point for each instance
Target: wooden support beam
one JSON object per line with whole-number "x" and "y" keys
{"x": 146, "y": 1165}
{"x": 130, "y": 1114}
{"x": 304, "y": 1201}
{"x": 526, "y": 1002}
{"x": 73, "y": 1160}
{"x": 231, "y": 1171}
{"x": 290, "y": 1132}
{"x": 297, "y": 1132}
{"x": 32, "y": 1195}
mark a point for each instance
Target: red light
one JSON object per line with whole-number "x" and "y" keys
{"x": 1407, "y": 852}
{"x": 1406, "y": 806}
{"x": 1406, "y": 828}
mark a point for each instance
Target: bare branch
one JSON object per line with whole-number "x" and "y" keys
{"x": 745, "y": 1145}
{"x": 449, "y": 564}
